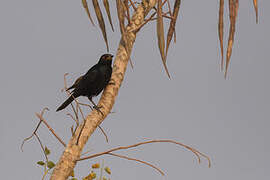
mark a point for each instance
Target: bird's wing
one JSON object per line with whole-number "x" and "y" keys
{"x": 75, "y": 83}
{"x": 89, "y": 78}
{"x": 91, "y": 75}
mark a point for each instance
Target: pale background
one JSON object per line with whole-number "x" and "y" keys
{"x": 226, "y": 119}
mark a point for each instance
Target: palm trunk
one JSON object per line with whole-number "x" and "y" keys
{"x": 73, "y": 151}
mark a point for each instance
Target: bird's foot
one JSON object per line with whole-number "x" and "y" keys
{"x": 98, "y": 109}
{"x": 112, "y": 82}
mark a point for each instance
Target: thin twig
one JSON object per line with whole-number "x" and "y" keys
{"x": 72, "y": 117}
{"x": 85, "y": 152}
{"x": 145, "y": 22}
{"x": 133, "y": 159}
{"x": 26, "y": 139}
{"x": 164, "y": 2}
{"x": 49, "y": 127}
{"x": 83, "y": 104}
{"x": 44, "y": 175}
{"x": 69, "y": 94}
{"x": 76, "y": 114}
{"x": 128, "y": 14}
{"x": 42, "y": 147}
{"x": 102, "y": 130}
{"x": 169, "y": 7}
{"x": 132, "y": 4}
{"x": 196, "y": 152}
{"x": 72, "y": 130}
{"x": 171, "y": 14}
{"x": 168, "y": 17}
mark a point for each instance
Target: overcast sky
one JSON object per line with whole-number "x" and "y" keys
{"x": 228, "y": 120}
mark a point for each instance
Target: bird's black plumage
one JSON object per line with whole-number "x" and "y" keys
{"x": 93, "y": 82}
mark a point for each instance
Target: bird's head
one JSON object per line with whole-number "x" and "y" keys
{"x": 106, "y": 58}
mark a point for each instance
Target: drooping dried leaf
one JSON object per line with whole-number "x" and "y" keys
{"x": 233, "y": 10}
{"x": 121, "y": 15}
{"x": 236, "y": 8}
{"x": 221, "y": 30}
{"x": 174, "y": 32}
{"x": 107, "y": 8}
{"x": 255, "y": 3}
{"x": 121, "y": 18}
{"x": 84, "y": 2}
{"x": 171, "y": 30}
{"x": 127, "y": 10}
{"x": 160, "y": 35}
{"x": 100, "y": 21}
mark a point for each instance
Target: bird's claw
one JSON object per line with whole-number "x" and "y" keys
{"x": 111, "y": 82}
{"x": 98, "y": 109}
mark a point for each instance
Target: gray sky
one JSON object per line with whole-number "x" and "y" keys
{"x": 226, "y": 119}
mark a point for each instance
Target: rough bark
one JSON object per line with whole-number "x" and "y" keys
{"x": 72, "y": 152}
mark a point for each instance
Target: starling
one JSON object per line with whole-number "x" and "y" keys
{"x": 93, "y": 82}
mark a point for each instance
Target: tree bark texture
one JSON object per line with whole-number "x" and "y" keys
{"x": 73, "y": 151}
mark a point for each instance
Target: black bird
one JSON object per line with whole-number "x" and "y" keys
{"x": 93, "y": 82}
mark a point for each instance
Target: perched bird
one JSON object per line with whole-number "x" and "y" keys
{"x": 93, "y": 82}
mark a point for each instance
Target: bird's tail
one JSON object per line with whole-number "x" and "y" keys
{"x": 66, "y": 103}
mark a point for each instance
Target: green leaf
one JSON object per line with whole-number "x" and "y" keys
{"x": 108, "y": 170}
{"x": 41, "y": 163}
{"x": 50, "y": 164}
{"x": 73, "y": 179}
{"x": 96, "y": 166}
{"x": 47, "y": 151}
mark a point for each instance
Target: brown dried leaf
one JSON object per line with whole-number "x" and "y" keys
{"x": 233, "y": 10}
{"x": 121, "y": 15}
{"x": 84, "y": 2}
{"x": 171, "y": 30}
{"x": 107, "y": 8}
{"x": 221, "y": 30}
{"x": 127, "y": 10}
{"x": 100, "y": 21}
{"x": 160, "y": 35}
{"x": 255, "y": 3}
{"x": 121, "y": 18}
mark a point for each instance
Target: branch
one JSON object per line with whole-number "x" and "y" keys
{"x": 78, "y": 108}
{"x": 133, "y": 159}
{"x": 73, "y": 151}
{"x": 196, "y": 152}
{"x": 49, "y": 127}
{"x": 34, "y": 132}
{"x": 42, "y": 147}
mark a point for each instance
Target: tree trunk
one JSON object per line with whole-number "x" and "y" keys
{"x": 72, "y": 152}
